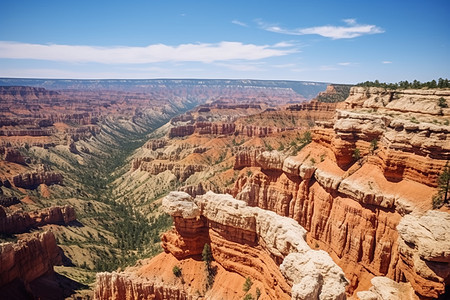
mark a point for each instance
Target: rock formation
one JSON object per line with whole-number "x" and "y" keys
{"x": 351, "y": 205}
{"x": 19, "y": 221}
{"x": 384, "y": 288}
{"x": 240, "y": 237}
{"x": 424, "y": 248}
{"x": 34, "y": 179}
{"x": 29, "y": 258}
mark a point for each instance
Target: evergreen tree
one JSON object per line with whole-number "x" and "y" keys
{"x": 442, "y": 196}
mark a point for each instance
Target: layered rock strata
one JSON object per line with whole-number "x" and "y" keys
{"x": 29, "y": 258}
{"x": 351, "y": 205}
{"x": 19, "y": 221}
{"x": 243, "y": 239}
{"x": 424, "y": 248}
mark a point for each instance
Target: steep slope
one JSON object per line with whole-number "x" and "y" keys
{"x": 245, "y": 241}
{"x": 364, "y": 175}
{"x": 71, "y": 146}
{"x": 351, "y": 201}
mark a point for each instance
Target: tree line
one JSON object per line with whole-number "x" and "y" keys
{"x": 440, "y": 83}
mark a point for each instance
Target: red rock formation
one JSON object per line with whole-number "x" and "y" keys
{"x": 20, "y": 221}
{"x": 246, "y": 157}
{"x": 244, "y": 240}
{"x": 29, "y": 258}
{"x": 32, "y": 180}
{"x": 181, "y": 131}
{"x": 13, "y": 155}
{"x": 352, "y": 208}
{"x": 155, "y": 144}
{"x": 181, "y": 171}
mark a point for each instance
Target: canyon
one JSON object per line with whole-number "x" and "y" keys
{"x": 322, "y": 199}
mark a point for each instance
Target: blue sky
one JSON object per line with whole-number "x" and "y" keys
{"x": 329, "y": 41}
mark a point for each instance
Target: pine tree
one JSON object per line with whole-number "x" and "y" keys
{"x": 442, "y": 196}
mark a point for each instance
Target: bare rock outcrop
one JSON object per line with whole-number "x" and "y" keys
{"x": 384, "y": 288}
{"x": 180, "y": 170}
{"x": 34, "y": 179}
{"x": 351, "y": 204}
{"x": 13, "y": 155}
{"x": 270, "y": 160}
{"x": 246, "y": 157}
{"x": 242, "y": 239}
{"x": 29, "y": 258}
{"x": 19, "y": 221}
{"x": 424, "y": 248}
{"x": 282, "y": 237}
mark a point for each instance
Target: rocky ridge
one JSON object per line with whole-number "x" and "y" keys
{"x": 20, "y": 221}
{"x": 351, "y": 206}
{"x": 28, "y": 259}
{"x": 226, "y": 222}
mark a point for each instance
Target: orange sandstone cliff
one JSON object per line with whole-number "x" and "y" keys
{"x": 365, "y": 173}
{"x": 245, "y": 242}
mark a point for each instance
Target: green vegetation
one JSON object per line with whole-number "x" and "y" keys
{"x": 414, "y": 120}
{"x": 442, "y": 103}
{"x": 373, "y": 146}
{"x": 300, "y": 142}
{"x": 248, "y": 297}
{"x": 341, "y": 93}
{"x": 356, "y": 154}
{"x": 210, "y": 272}
{"x": 268, "y": 146}
{"x": 176, "y": 271}
{"x": 442, "y": 196}
{"x": 247, "y": 284}
{"x": 441, "y": 83}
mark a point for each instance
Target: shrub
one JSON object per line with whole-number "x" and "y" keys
{"x": 373, "y": 145}
{"x": 247, "y": 284}
{"x": 442, "y": 103}
{"x": 176, "y": 271}
{"x": 356, "y": 154}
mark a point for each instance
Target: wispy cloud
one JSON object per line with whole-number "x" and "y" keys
{"x": 351, "y": 30}
{"x": 386, "y": 62}
{"x": 328, "y": 68}
{"x": 236, "y": 22}
{"x": 344, "y": 63}
{"x": 201, "y": 52}
{"x": 243, "y": 67}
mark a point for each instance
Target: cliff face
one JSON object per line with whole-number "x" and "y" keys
{"x": 29, "y": 258}
{"x": 242, "y": 239}
{"x": 351, "y": 205}
{"x": 19, "y": 221}
{"x": 424, "y": 248}
{"x": 34, "y": 179}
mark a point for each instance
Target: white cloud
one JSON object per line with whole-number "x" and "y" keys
{"x": 283, "y": 45}
{"x": 236, "y": 22}
{"x": 284, "y": 66}
{"x": 386, "y": 62}
{"x": 241, "y": 67}
{"x": 352, "y": 30}
{"x": 344, "y": 63}
{"x": 350, "y": 21}
{"x": 328, "y": 68}
{"x": 201, "y": 52}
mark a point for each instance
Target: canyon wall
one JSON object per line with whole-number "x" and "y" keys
{"x": 20, "y": 221}
{"x": 29, "y": 258}
{"x": 352, "y": 204}
{"x": 245, "y": 240}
